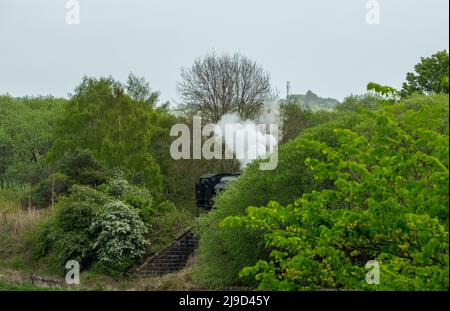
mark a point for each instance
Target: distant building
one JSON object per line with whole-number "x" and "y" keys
{"x": 311, "y": 101}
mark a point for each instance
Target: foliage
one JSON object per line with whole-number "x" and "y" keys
{"x": 6, "y": 155}
{"x": 163, "y": 219}
{"x": 167, "y": 222}
{"x": 48, "y": 190}
{"x": 383, "y": 90}
{"x": 119, "y": 237}
{"x": 430, "y": 76}
{"x": 116, "y": 128}
{"x": 224, "y": 251}
{"x": 97, "y": 227}
{"x": 25, "y": 135}
{"x": 389, "y": 203}
{"x": 64, "y": 234}
{"x": 139, "y": 90}
{"x": 117, "y": 185}
{"x": 7, "y": 286}
{"x": 139, "y": 198}
{"x": 83, "y": 168}
{"x": 296, "y": 118}
{"x": 369, "y": 101}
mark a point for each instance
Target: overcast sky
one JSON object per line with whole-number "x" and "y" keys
{"x": 323, "y": 45}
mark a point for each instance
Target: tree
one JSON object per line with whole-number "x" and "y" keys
{"x": 103, "y": 118}
{"x": 139, "y": 90}
{"x": 216, "y": 85}
{"x": 6, "y": 155}
{"x": 430, "y": 77}
{"x": 26, "y": 122}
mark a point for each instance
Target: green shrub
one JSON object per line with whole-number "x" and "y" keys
{"x": 357, "y": 102}
{"x": 137, "y": 197}
{"x": 55, "y": 185}
{"x": 297, "y": 118}
{"x": 83, "y": 168}
{"x": 167, "y": 222}
{"x": 119, "y": 237}
{"x": 164, "y": 220}
{"x": 117, "y": 185}
{"x": 64, "y": 234}
{"x": 389, "y": 203}
{"x": 79, "y": 193}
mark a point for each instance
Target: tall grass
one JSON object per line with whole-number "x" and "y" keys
{"x": 14, "y": 223}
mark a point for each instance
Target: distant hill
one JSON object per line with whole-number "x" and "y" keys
{"x": 311, "y": 101}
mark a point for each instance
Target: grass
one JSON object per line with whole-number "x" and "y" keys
{"x": 15, "y": 222}
{"x": 6, "y": 286}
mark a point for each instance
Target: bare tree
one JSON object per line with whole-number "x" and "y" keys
{"x": 216, "y": 85}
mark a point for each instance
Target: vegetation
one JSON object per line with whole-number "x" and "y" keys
{"x": 104, "y": 119}
{"x": 225, "y": 250}
{"x": 91, "y": 165}
{"x": 388, "y": 202}
{"x": 216, "y": 85}
{"x": 90, "y": 178}
{"x": 430, "y": 76}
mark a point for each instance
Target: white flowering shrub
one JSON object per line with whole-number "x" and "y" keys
{"x": 119, "y": 237}
{"x": 117, "y": 186}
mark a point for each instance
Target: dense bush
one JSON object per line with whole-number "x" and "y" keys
{"x": 389, "y": 203}
{"x": 64, "y": 234}
{"x": 164, "y": 220}
{"x": 119, "y": 237}
{"x": 167, "y": 222}
{"x": 26, "y": 130}
{"x": 224, "y": 251}
{"x": 79, "y": 167}
{"x": 297, "y": 118}
{"x": 83, "y": 168}
{"x": 49, "y": 189}
{"x": 357, "y": 102}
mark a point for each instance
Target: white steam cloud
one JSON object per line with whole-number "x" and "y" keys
{"x": 248, "y": 140}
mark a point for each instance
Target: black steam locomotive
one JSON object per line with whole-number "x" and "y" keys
{"x": 209, "y": 185}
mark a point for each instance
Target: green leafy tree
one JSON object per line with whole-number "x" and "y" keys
{"x": 139, "y": 90}
{"x": 368, "y": 101}
{"x": 6, "y": 155}
{"x": 102, "y": 117}
{"x": 28, "y": 123}
{"x": 387, "y": 92}
{"x": 297, "y": 117}
{"x": 83, "y": 168}
{"x": 430, "y": 76}
{"x": 48, "y": 190}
